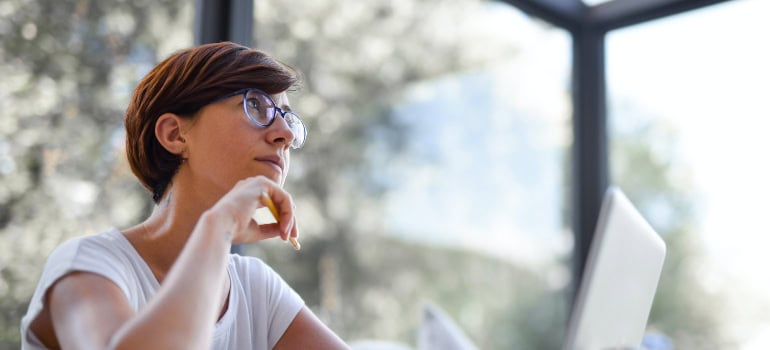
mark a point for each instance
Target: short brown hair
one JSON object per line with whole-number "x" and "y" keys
{"x": 183, "y": 84}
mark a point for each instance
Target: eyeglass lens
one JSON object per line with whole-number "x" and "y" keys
{"x": 262, "y": 110}
{"x": 259, "y": 107}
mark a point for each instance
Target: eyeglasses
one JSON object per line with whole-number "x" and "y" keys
{"x": 261, "y": 111}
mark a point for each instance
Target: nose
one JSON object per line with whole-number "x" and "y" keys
{"x": 280, "y": 132}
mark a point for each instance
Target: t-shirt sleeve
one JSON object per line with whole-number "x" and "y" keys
{"x": 272, "y": 296}
{"x": 89, "y": 254}
{"x": 284, "y": 305}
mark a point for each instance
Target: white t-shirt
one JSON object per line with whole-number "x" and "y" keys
{"x": 260, "y": 308}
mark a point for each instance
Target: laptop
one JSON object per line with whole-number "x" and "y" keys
{"x": 619, "y": 282}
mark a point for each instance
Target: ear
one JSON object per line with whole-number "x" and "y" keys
{"x": 168, "y": 131}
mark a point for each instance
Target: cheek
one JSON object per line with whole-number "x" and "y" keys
{"x": 219, "y": 149}
{"x": 220, "y": 145}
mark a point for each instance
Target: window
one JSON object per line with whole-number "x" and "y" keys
{"x": 436, "y": 167}
{"x": 689, "y": 140}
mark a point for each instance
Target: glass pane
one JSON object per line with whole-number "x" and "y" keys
{"x": 689, "y": 125}
{"x": 435, "y": 170}
{"x": 68, "y": 68}
{"x": 595, "y": 2}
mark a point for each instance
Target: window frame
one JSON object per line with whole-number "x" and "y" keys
{"x": 231, "y": 20}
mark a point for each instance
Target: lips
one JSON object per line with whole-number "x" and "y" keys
{"x": 274, "y": 160}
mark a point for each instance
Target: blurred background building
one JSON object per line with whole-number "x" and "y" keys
{"x": 456, "y": 157}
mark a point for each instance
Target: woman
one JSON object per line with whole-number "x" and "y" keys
{"x": 208, "y": 132}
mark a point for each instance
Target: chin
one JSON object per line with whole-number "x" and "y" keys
{"x": 279, "y": 182}
{"x": 275, "y": 177}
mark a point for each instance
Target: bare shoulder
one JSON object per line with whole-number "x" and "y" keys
{"x": 84, "y": 309}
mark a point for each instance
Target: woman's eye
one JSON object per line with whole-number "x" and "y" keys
{"x": 252, "y": 103}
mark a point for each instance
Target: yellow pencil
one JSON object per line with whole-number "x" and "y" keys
{"x": 270, "y": 205}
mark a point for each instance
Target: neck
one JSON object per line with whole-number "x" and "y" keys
{"x": 161, "y": 238}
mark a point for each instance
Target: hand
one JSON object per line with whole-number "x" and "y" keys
{"x": 236, "y": 207}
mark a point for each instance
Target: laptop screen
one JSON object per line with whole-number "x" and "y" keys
{"x": 620, "y": 279}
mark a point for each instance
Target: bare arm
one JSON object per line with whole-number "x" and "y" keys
{"x": 183, "y": 315}
{"x": 306, "y": 331}
{"x": 87, "y": 308}
{"x": 88, "y": 311}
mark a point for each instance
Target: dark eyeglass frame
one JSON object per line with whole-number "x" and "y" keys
{"x": 293, "y": 120}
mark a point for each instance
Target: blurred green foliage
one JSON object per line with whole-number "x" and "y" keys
{"x": 69, "y": 66}
{"x": 358, "y": 59}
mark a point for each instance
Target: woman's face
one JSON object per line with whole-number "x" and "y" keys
{"x": 223, "y": 146}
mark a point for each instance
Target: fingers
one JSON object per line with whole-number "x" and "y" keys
{"x": 282, "y": 208}
{"x": 293, "y": 233}
{"x": 293, "y": 236}
{"x": 239, "y": 207}
{"x": 284, "y": 218}
{"x": 285, "y": 207}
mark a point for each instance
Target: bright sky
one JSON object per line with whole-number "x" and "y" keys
{"x": 497, "y": 137}
{"x": 707, "y": 74}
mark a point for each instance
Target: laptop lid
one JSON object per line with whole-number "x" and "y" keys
{"x": 620, "y": 279}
